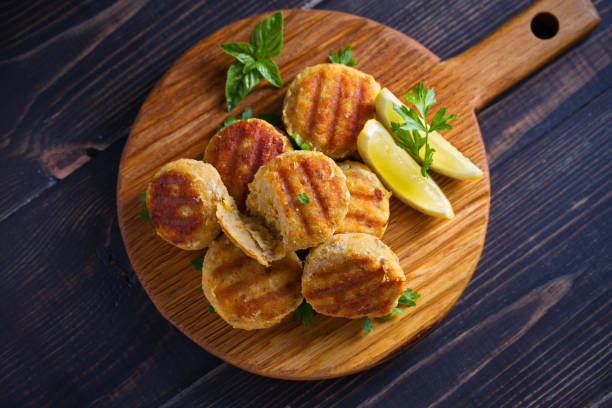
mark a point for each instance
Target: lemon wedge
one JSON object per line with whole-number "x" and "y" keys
{"x": 447, "y": 159}
{"x": 400, "y": 172}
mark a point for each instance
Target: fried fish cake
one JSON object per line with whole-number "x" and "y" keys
{"x": 353, "y": 275}
{"x": 369, "y": 205}
{"x": 303, "y": 195}
{"x": 249, "y": 233}
{"x": 327, "y": 105}
{"x": 239, "y": 149}
{"x": 182, "y": 200}
{"x": 244, "y": 293}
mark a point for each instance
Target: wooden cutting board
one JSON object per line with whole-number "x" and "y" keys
{"x": 438, "y": 256}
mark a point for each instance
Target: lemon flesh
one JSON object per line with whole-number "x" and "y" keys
{"x": 447, "y": 159}
{"x": 400, "y": 172}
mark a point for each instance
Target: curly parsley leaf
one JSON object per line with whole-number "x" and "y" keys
{"x": 343, "y": 57}
{"x": 197, "y": 263}
{"x": 304, "y": 314}
{"x": 297, "y": 143}
{"x": 408, "y": 134}
{"x": 367, "y": 324}
{"x": 408, "y": 298}
{"x": 144, "y": 211}
{"x": 253, "y": 59}
{"x": 303, "y": 198}
{"x": 395, "y": 310}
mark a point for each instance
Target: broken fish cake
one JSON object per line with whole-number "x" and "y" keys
{"x": 246, "y": 294}
{"x": 249, "y": 233}
{"x": 327, "y": 106}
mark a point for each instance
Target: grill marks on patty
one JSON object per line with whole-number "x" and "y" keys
{"x": 239, "y": 149}
{"x": 245, "y": 293}
{"x": 175, "y": 206}
{"x": 327, "y": 105}
{"x": 368, "y": 210}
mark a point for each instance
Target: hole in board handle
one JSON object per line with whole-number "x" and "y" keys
{"x": 545, "y": 26}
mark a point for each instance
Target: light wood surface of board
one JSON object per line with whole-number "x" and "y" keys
{"x": 438, "y": 256}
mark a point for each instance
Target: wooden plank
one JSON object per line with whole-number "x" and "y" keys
{"x": 532, "y": 329}
{"x": 76, "y": 77}
{"x": 77, "y": 328}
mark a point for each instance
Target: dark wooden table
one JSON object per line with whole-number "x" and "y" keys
{"x": 533, "y": 328}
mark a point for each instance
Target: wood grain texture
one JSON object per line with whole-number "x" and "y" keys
{"x": 139, "y": 359}
{"x": 75, "y": 73}
{"x": 181, "y": 112}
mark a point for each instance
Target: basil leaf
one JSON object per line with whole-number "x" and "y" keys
{"x": 267, "y": 36}
{"x": 271, "y": 118}
{"x": 243, "y": 52}
{"x": 239, "y": 84}
{"x": 270, "y": 71}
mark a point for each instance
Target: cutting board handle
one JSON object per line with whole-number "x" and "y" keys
{"x": 515, "y": 50}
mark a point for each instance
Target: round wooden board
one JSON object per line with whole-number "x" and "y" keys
{"x": 181, "y": 114}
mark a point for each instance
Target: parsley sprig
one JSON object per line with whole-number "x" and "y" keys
{"x": 144, "y": 211}
{"x": 408, "y": 134}
{"x": 408, "y": 299}
{"x": 197, "y": 263}
{"x": 303, "y": 198}
{"x": 253, "y": 59}
{"x": 296, "y": 142}
{"x": 304, "y": 314}
{"x": 343, "y": 57}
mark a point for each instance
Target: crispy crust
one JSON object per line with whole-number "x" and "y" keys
{"x": 246, "y": 294}
{"x": 353, "y": 275}
{"x": 274, "y": 196}
{"x": 182, "y": 199}
{"x": 327, "y": 105}
{"x": 239, "y": 149}
{"x": 369, "y": 205}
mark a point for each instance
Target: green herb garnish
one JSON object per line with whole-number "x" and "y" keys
{"x": 395, "y": 310}
{"x": 303, "y": 198}
{"x": 408, "y": 298}
{"x": 304, "y": 314}
{"x": 367, "y": 324}
{"x": 253, "y": 59}
{"x": 408, "y": 134}
{"x": 344, "y": 57}
{"x": 197, "y": 263}
{"x": 211, "y": 309}
{"x": 271, "y": 118}
{"x": 144, "y": 211}
{"x": 295, "y": 141}
{"x": 246, "y": 114}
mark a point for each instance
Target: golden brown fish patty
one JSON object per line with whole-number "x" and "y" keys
{"x": 327, "y": 105}
{"x": 182, "y": 200}
{"x": 353, "y": 275}
{"x": 239, "y": 149}
{"x": 303, "y": 195}
{"x": 369, "y": 205}
{"x": 244, "y": 293}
